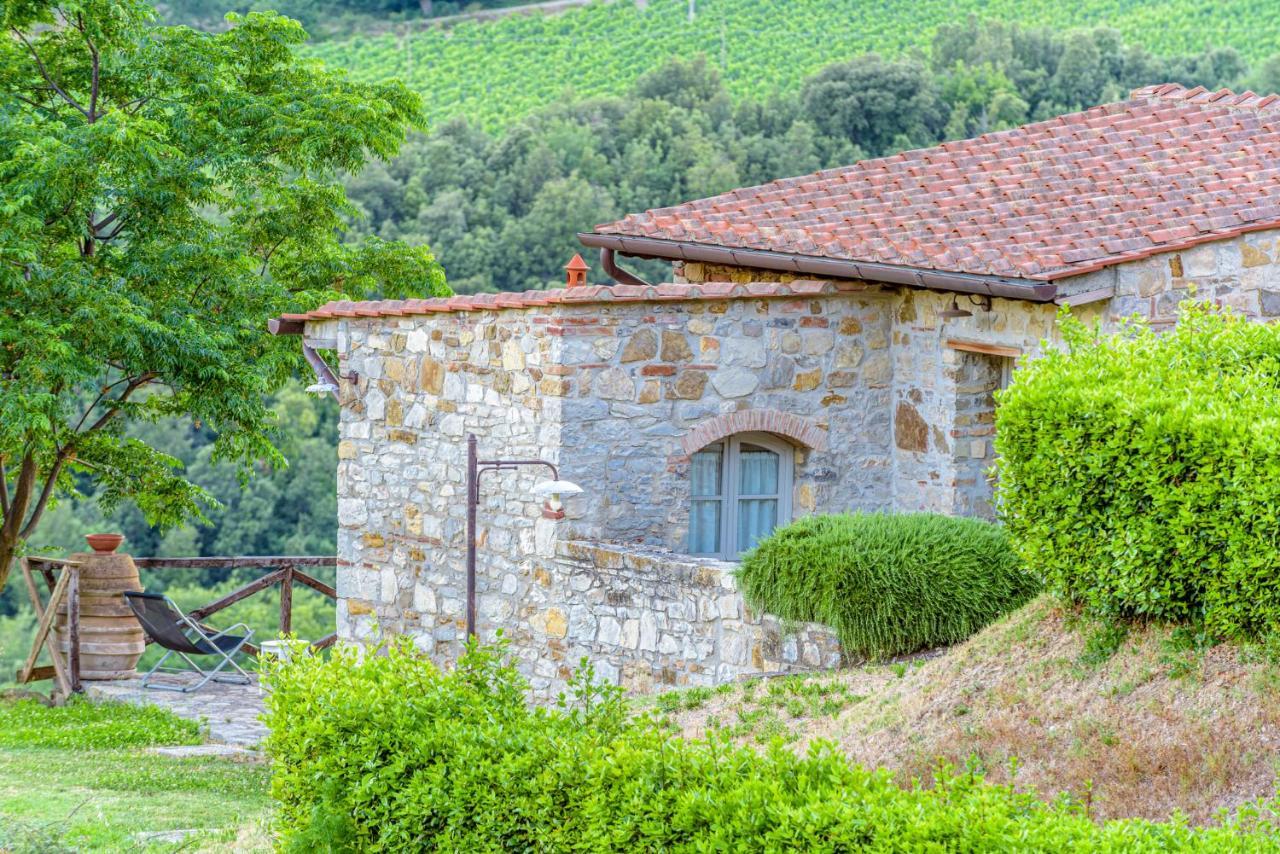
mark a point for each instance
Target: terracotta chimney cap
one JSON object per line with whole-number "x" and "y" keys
{"x": 577, "y": 271}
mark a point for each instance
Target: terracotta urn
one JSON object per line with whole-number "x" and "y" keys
{"x": 111, "y": 641}
{"x": 104, "y": 544}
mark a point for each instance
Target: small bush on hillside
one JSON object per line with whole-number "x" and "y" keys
{"x": 888, "y": 584}
{"x": 384, "y": 752}
{"x": 1140, "y": 473}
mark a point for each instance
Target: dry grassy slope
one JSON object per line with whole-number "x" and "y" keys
{"x": 1157, "y": 727}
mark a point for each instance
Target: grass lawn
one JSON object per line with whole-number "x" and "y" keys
{"x": 82, "y": 777}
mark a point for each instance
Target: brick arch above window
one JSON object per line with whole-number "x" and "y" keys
{"x": 797, "y": 428}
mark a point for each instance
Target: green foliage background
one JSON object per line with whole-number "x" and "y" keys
{"x": 499, "y": 71}
{"x": 386, "y": 753}
{"x": 1140, "y": 473}
{"x": 889, "y": 584}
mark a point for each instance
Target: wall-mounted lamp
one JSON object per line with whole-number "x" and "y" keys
{"x": 954, "y": 310}
{"x": 550, "y": 490}
{"x": 326, "y": 382}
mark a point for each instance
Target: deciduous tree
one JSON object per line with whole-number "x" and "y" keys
{"x": 163, "y": 192}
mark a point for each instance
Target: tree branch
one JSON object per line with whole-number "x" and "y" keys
{"x": 93, "y": 52}
{"x": 4, "y": 489}
{"x": 44, "y": 72}
{"x": 51, "y": 480}
{"x": 134, "y": 384}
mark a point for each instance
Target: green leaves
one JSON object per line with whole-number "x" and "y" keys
{"x": 378, "y": 750}
{"x": 1138, "y": 472}
{"x": 166, "y": 192}
{"x": 889, "y": 584}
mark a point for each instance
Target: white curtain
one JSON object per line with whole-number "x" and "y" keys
{"x": 706, "y": 479}
{"x": 757, "y": 475}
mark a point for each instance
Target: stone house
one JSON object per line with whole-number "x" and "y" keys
{"x": 826, "y": 343}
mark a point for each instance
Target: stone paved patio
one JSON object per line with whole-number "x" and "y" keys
{"x": 229, "y": 712}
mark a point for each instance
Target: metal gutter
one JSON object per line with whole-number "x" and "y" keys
{"x": 285, "y": 326}
{"x": 893, "y": 274}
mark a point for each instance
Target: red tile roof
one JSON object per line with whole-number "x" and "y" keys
{"x": 291, "y": 324}
{"x": 1169, "y": 168}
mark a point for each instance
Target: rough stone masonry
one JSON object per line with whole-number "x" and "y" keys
{"x": 886, "y": 406}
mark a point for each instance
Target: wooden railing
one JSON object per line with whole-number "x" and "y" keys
{"x": 284, "y": 571}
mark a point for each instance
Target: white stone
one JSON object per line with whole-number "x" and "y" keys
{"x": 734, "y": 382}
{"x": 609, "y": 631}
{"x": 424, "y": 599}
{"x": 416, "y": 341}
{"x": 631, "y": 633}
{"x": 375, "y": 405}
{"x": 744, "y": 352}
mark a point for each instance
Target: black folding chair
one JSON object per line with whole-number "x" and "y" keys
{"x": 178, "y": 633}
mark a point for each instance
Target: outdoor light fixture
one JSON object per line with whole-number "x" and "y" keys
{"x": 954, "y": 310}
{"x": 551, "y": 490}
{"x": 326, "y": 382}
{"x": 321, "y": 388}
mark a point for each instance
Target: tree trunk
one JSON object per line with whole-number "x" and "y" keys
{"x": 14, "y": 514}
{"x": 427, "y": 6}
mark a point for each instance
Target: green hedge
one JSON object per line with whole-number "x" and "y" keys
{"x": 386, "y": 753}
{"x": 1140, "y": 473}
{"x": 889, "y": 584}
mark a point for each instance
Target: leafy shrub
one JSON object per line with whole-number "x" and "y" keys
{"x": 383, "y": 752}
{"x": 1140, "y": 473}
{"x": 888, "y": 584}
{"x": 91, "y": 725}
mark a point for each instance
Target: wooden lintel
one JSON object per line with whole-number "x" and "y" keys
{"x": 1085, "y": 297}
{"x": 984, "y": 348}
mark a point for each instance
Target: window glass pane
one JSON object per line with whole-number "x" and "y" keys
{"x": 705, "y": 470}
{"x": 757, "y": 471}
{"x": 704, "y": 527}
{"x": 757, "y": 517}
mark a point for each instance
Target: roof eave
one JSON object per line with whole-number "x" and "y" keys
{"x": 893, "y": 274}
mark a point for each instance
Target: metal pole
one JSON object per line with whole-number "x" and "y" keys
{"x": 473, "y": 500}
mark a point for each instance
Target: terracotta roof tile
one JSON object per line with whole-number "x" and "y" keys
{"x": 594, "y": 294}
{"x": 1167, "y": 167}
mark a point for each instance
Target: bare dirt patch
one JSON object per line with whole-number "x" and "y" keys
{"x": 1160, "y": 725}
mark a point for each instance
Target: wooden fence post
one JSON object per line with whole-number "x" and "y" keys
{"x": 73, "y": 628}
{"x": 286, "y": 601}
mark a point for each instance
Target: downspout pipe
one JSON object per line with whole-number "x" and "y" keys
{"x": 836, "y": 268}
{"x": 324, "y": 375}
{"x": 623, "y": 277}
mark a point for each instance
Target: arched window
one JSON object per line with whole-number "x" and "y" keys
{"x": 740, "y": 490}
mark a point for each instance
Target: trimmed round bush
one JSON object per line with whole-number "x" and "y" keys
{"x": 1140, "y": 473}
{"x": 889, "y": 584}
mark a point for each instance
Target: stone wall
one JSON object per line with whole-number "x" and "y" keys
{"x": 649, "y": 619}
{"x": 643, "y": 377}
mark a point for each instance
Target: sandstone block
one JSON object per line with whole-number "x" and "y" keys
{"x": 641, "y": 346}
{"x": 675, "y": 347}
{"x": 688, "y": 385}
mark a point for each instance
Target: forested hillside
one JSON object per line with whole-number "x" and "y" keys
{"x": 496, "y": 72}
